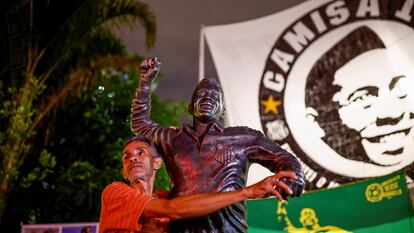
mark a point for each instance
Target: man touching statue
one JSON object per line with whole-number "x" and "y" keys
{"x": 132, "y": 206}
{"x": 207, "y": 157}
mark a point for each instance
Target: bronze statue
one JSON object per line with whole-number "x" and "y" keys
{"x": 207, "y": 157}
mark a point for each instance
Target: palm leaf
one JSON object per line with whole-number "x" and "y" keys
{"x": 95, "y": 15}
{"x": 14, "y": 39}
{"x": 81, "y": 79}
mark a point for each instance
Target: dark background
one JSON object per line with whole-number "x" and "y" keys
{"x": 177, "y": 44}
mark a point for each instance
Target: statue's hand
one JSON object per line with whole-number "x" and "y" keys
{"x": 150, "y": 68}
{"x": 271, "y": 185}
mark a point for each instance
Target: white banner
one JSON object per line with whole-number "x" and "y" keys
{"x": 330, "y": 81}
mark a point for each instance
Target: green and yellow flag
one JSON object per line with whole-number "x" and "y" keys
{"x": 377, "y": 205}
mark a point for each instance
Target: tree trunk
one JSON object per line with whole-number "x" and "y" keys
{"x": 11, "y": 150}
{"x": 12, "y": 153}
{"x": 4, "y": 187}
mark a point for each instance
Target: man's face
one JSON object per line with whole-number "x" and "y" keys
{"x": 208, "y": 104}
{"x": 138, "y": 161}
{"x": 376, "y": 99}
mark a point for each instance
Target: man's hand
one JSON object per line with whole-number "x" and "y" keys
{"x": 149, "y": 69}
{"x": 272, "y": 185}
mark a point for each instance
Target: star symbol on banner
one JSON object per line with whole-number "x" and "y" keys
{"x": 271, "y": 104}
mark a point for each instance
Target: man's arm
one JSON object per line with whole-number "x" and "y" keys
{"x": 202, "y": 204}
{"x": 141, "y": 124}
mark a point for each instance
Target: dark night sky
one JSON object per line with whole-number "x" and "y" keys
{"x": 178, "y": 32}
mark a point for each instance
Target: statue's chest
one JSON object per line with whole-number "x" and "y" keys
{"x": 213, "y": 152}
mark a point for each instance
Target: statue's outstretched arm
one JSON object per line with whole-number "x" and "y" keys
{"x": 270, "y": 155}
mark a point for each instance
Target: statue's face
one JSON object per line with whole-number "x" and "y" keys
{"x": 208, "y": 104}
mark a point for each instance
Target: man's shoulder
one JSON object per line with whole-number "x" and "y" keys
{"x": 117, "y": 185}
{"x": 119, "y": 190}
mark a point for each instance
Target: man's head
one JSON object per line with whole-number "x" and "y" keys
{"x": 140, "y": 159}
{"x": 361, "y": 101}
{"x": 207, "y": 101}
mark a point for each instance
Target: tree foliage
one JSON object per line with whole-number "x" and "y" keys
{"x": 52, "y": 50}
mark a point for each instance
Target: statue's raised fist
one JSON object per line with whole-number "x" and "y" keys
{"x": 149, "y": 68}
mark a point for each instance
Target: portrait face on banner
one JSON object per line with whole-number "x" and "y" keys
{"x": 371, "y": 88}
{"x": 361, "y": 101}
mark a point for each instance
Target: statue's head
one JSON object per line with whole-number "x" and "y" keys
{"x": 207, "y": 103}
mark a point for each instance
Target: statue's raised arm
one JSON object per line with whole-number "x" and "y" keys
{"x": 141, "y": 124}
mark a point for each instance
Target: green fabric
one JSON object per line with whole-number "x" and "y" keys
{"x": 376, "y": 205}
